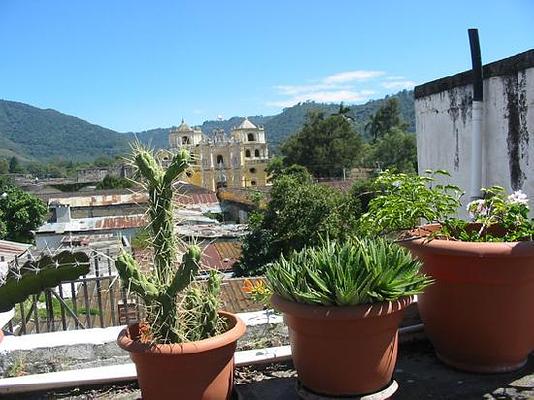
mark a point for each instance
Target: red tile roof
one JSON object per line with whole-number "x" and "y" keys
{"x": 121, "y": 222}
{"x": 221, "y": 255}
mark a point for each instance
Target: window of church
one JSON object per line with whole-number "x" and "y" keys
{"x": 252, "y": 170}
{"x": 253, "y": 183}
{"x": 220, "y": 159}
{"x": 185, "y": 140}
{"x": 256, "y": 153}
{"x": 247, "y": 153}
{"x": 250, "y": 137}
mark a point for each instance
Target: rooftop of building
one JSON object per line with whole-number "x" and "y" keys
{"x": 246, "y": 124}
{"x": 418, "y": 373}
{"x": 94, "y": 224}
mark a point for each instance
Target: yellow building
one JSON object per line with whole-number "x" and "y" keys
{"x": 237, "y": 160}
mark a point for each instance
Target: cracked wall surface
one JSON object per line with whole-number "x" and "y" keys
{"x": 443, "y": 125}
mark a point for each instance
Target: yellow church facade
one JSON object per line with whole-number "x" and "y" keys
{"x": 236, "y": 160}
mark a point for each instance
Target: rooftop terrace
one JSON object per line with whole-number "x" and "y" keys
{"x": 418, "y": 373}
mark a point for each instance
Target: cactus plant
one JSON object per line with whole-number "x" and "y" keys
{"x": 36, "y": 275}
{"x": 159, "y": 289}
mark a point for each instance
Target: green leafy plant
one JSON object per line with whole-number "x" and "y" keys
{"x": 358, "y": 271}
{"x": 405, "y": 201}
{"x": 497, "y": 217}
{"x": 298, "y": 214}
{"x": 168, "y": 317}
{"x": 34, "y": 276}
{"x": 20, "y": 212}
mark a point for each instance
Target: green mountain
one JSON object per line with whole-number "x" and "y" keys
{"x": 31, "y": 133}
{"x": 279, "y": 127}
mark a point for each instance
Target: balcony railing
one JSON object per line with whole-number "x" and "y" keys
{"x": 93, "y": 301}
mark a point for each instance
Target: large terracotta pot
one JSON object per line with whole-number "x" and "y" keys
{"x": 197, "y": 370}
{"x": 479, "y": 313}
{"x": 343, "y": 351}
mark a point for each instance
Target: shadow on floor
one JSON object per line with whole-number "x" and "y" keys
{"x": 421, "y": 375}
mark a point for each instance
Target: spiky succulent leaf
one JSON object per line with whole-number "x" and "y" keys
{"x": 35, "y": 276}
{"x": 348, "y": 273}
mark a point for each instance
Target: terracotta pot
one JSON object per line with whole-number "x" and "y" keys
{"x": 196, "y": 370}
{"x": 343, "y": 351}
{"x": 479, "y": 312}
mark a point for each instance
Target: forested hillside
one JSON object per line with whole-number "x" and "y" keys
{"x": 31, "y": 133}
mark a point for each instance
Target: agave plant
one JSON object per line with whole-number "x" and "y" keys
{"x": 34, "y": 276}
{"x": 353, "y": 272}
{"x": 171, "y": 298}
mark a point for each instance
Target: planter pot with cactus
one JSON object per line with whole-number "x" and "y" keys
{"x": 185, "y": 348}
{"x": 478, "y": 313}
{"x": 343, "y": 303}
{"x": 35, "y": 275}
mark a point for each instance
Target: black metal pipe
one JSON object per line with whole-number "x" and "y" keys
{"x": 476, "y": 61}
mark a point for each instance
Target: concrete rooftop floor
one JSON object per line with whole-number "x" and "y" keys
{"x": 419, "y": 373}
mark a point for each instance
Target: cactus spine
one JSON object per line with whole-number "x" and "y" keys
{"x": 34, "y": 276}
{"x": 160, "y": 287}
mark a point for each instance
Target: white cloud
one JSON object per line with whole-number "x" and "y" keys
{"x": 340, "y": 87}
{"x": 399, "y": 85}
{"x": 394, "y": 78}
{"x": 352, "y": 76}
{"x": 326, "y": 96}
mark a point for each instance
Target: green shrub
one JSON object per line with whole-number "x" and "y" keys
{"x": 298, "y": 214}
{"x": 404, "y": 201}
{"x": 358, "y": 271}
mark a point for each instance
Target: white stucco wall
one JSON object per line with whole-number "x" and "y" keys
{"x": 443, "y": 124}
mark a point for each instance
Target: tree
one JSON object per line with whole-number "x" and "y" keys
{"x": 385, "y": 119}
{"x": 275, "y": 167}
{"x": 20, "y": 213}
{"x": 4, "y": 167}
{"x": 14, "y": 166}
{"x": 300, "y": 213}
{"x": 325, "y": 145}
{"x": 113, "y": 182}
{"x": 395, "y": 150}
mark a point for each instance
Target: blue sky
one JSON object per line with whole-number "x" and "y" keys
{"x": 133, "y": 65}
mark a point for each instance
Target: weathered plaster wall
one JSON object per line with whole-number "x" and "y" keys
{"x": 443, "y": 122}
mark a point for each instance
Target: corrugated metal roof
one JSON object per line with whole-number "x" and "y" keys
{"x": 213, "y": 230}
{"x": 100, "y": 200}
{"x": 94, "y": 224}
{"x": 197, "y": 198}
{"x": 221, "y": 255}
{"x": 229, "y": 250}
{"x": 121, "y": 222}
{"x": 13, "y": 248}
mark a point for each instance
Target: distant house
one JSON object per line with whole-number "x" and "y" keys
{"x": 96, "y": 174}
{"x": 52, "y": 234}
{"x": 8, "y": 252}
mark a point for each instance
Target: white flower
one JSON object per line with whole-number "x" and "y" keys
{"x": 477, "y": 208}
{"x": 518, "y": 197}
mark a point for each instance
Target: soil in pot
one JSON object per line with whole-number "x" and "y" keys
{"x": 201, "y": 370}
{"x": 479, "y": 312}
{"x": 343, "y": 351}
